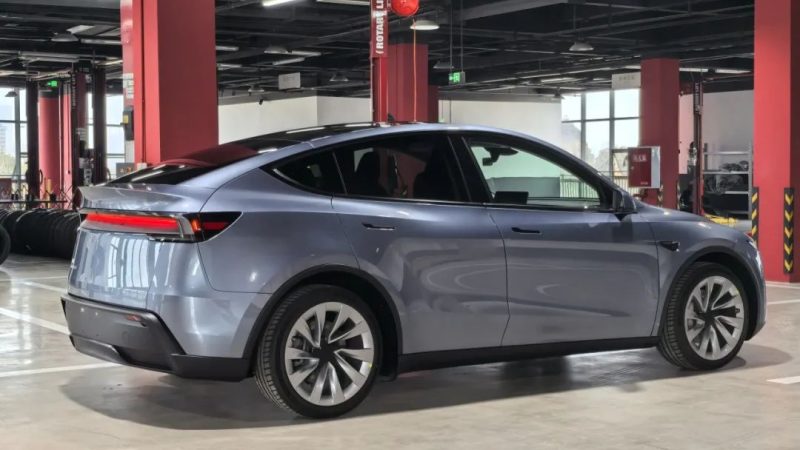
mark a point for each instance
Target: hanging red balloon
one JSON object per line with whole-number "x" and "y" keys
{"x": 405, "y": 8}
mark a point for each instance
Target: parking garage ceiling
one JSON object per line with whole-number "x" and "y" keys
{"x": 518, "y": 46}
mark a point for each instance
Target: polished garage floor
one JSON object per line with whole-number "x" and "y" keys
{"x": 53, "y": 397}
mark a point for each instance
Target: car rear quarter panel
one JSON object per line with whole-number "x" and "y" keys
{"x": 282, "y": 231}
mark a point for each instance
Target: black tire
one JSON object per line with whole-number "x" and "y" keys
{"x": 5, "y": 245}
{"x": 673, "y": 343}
{"x": 270, "y": 371}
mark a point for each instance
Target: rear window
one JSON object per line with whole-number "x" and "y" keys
{"x": 195, "y": 164}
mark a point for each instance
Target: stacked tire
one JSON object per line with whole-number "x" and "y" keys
{"x": 41, "y": 232}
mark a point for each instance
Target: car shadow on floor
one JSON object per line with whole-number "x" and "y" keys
{"x": 169, "y": 402}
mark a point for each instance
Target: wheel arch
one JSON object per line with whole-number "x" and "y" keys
{"x": 730, "y": 259}
{"x": 355, "y": 280}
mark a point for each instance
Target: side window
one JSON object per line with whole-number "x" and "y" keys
{"x": 317, "y": 171}
{"x": 516, "y": 176}
{"x": 413, "y": 167}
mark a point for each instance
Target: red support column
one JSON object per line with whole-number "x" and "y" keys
{"x": 408, "y": 82}
{"x": 777, "y": 132}
{"x": 49, "y": 142}
{"x": 660, "y": 115}
{"x": 172, "y": 74}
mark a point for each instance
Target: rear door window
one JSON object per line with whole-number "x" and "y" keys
{"x": 417, "y": 167}
{"x": 317, "y": 172}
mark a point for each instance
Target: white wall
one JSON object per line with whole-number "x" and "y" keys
{"x": 333, "y": 110}
{"x": 245, "y": 120}
{"x": 539, "y": 119}
{"x": 727, "y": 123}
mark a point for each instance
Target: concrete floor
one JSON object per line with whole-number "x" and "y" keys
{"x": 53, "y": 397}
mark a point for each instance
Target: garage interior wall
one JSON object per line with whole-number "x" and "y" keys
{"x": 727, "y": 123}
{"x": 237, "y": 121}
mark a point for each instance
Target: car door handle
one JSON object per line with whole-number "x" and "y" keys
{"x": 370, "y": 226}
{"x": 526, "y": 231}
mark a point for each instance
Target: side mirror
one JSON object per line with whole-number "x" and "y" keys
{"x": 623, "y": 203}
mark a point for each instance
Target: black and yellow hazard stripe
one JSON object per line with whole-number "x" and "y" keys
{"x": 788, "y": 230}
{"x": 754, "y": 202}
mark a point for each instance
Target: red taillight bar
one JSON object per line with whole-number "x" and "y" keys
{"x": 190, "y": 227}
{"x": 144, "y": 223}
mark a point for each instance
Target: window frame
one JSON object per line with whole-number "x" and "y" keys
{"x": 566, "y": 161}
{"x": 612, "y": 119}
{"x": 452, "y": 155}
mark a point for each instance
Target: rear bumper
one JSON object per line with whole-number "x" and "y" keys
{"x": 139, "y": 338}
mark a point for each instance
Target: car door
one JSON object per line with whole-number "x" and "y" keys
{"x": 408, "y": 217}
{"x": 576, "y": 270}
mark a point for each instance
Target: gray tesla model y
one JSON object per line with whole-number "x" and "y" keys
{"x": 318, "y": 259}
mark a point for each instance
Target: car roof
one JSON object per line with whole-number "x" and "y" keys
{"x": 330, "y": 134}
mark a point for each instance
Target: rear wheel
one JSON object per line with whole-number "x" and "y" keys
{"x": 319, "y": 352}
{"x": 706, "y": 318}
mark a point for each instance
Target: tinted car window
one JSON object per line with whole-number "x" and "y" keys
{"x": 317, "y": 172}
{"x": 409, "y": 167}
{"x": 517, "y": 176}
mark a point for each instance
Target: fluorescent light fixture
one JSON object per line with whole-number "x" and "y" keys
{"x": 693, "y": 69}
{"x": 100, "y": 41}
{"x": 80, "y": 29}
{"x": 64, "y": 37}
{"x": 733, "y": 71}
{"x": 346, "y": 2}
{"x": 256, "y": 90}
{"x": 227, "y": 48}
{"x": 269, "y": 3}
{"x": 287, "y": 61}
{"x": 227, "y": 66}
{"x": 111, "y": 62}
{"x": 558, "y": 80}
{"x": 424, "y": 25}
{"x": 581, "y": 46}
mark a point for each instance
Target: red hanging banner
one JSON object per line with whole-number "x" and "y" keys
{"x": 380, "y": 28}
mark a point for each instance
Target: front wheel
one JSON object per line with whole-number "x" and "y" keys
{"x": 706, "y": 318}
{"x": 318, "y": 355}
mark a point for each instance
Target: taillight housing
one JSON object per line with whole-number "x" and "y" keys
{"x": 165, "y": 227}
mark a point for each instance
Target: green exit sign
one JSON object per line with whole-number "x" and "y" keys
{"x": 458, "y": 78}
{"x": 52, "y": 83}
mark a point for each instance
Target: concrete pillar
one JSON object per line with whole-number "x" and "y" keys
{"x": 660, "y": 115}
{"x": 169, "y": 65}
{"x": 777, "y": 134}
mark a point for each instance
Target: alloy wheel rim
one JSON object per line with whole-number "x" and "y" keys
{"x": 714, "y": 318}
{"x": 329, "y": 354}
